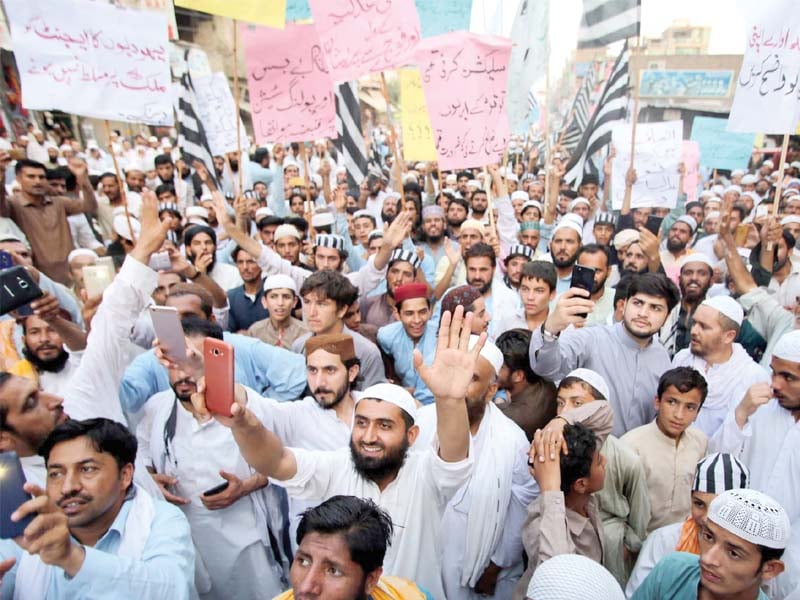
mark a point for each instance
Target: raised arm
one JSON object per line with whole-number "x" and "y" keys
{"x": 80, "y": 169}
{"x": 48, "y": 308}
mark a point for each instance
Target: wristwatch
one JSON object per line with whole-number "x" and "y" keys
{"x": 547, "y": 336}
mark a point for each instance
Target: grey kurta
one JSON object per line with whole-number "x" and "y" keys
{"x": 632, "y": 372}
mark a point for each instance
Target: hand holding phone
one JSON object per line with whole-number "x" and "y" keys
{"x": 167, "y": 325}
{"x": 17, "y": 289}
{"x": 583, "y": 279}
{"x": 218, "y": 357}
{"x": 12, "y": 496}
{"x": 217, "y": 489}
{"x": 653, "y": 224}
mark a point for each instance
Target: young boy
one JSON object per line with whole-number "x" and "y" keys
{"x": 741, "y": 545}
{"x": 669, "y": 447}
{"x": 537, "y": 289}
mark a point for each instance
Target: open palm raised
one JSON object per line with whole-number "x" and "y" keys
{"x": 451, "y": 372}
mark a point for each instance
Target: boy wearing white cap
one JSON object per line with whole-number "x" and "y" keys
{"x": 414, "y": 487}
{"x": 725, "y": 364}
{"x": 741, "y": 545}
{"x": 484, "y": 519}
{"x": 280, "y": 329}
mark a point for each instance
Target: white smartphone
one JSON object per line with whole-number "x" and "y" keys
{"x": 96, "y": 279}
{"x": 167, "y": 324}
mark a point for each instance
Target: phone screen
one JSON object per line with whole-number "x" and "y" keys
{"x": 653, "y": 224}
{"x": 6, "y": 262}
{"x": 583, "y": 279}
{"x": 12, "y": 495}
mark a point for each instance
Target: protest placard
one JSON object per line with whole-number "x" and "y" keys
{"x": 73, "y": 56}
{"x": 271, "y": 13}
{"x": 291, "y": 91}
{"x": 417, "y": 134}
{"x": 217, "y": 112}
{"x": 470, "y": 127}
{"x": 720, "y": 148}
{"x": 691, "y": 173}
{"x": 659, "y": 149}
{"x": 359, "y": 38}
{"x": 767, "y": 97}
{"x": 443, "y": 16}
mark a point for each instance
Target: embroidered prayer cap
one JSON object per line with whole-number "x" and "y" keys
{"x": 431, "y": 211}
{"x": 752, "y": 516}
{"x": 490, "y": 352}
{"x": 393, "y": 394}
{"x": 279, "y": 282}
{"x": 593, "y": 378}
{"x": 408, "y": 256}
{"x": 569, "y": 224}
{"x": 286, "y": 230}
{"x": 364, "y": 214}
{"x": 82, "y": 252}
{"x": 532, "y": 204}
{"x": 689, "y": 220}
{"x": 463, "y": 295}
{"x": 695, "y": 257}
{"x": 410, "y": 291}
{"x": 605, "y": 218}
{"x": 335, "y": 343}
{"x": 580, "y": 200}
{"x": 322, "y": 219}
{"x": 519, "y": 250}
{"x": 727, "y": 306}
{"x": 329, "y": 240}
{"x": 472, "y": 224}
{"x": 720, "y": 472}
{"x": 573, "y": 576}
{"x": 520, "y": 195}
{"x": 527, "y": 225}
{"x": 788, "y": 347}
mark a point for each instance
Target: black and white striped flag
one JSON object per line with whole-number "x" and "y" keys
{"x": 192, "y": 139}
{"x": 610, "y": 111}
{"x": 606, "y": 21}
{"x": 350, "y": 142}
{"x": 579, "y": 113}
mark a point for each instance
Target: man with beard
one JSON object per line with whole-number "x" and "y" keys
{"x": 695, "y": 272}
{"x": 457, "y": 212}
{"x": 776, "y": 270}
{"x": 187, "y": 457}
{"x": 201, "y": 250}
{"x": 625, "y": 353}
{"x": 596, "y": 257}
{"x": 376, "y": 196}
{"x": 391, "y": 208}
{"x": 484, "y": 520}
{"x": 479, "y": 204}
{"x": 109, "y": 184}
{"x": 415, "y": 329}
{"x": 134, "y": 178}
{"x": 678, "y": 238}
{"x": 480, "y": 263}
{"x": 46, "y": 360}
{"x": 414, "y": 487}
{"x": 433, "y": 232}
{"x": 564, "y": 251}
{"x": 96, "y": 533}
{"x": 401, "y": 270}
{"x": 245, "y": 301}
{"x": 450, "y": 270}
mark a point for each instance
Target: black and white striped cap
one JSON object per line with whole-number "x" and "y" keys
{"x": 605, "y": 218}
{"x": 720, "y": 472}
{"x": 329, "y": 240}
{"x": 406, "y": 255}
{"x": 520, "y": 250}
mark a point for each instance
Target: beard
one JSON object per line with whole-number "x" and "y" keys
{"x": 455, "y": 222}
{"x": 377, "y": 468}
{"x": 560, "y": 263}
{"x": 694, "y": 296}
{"x": 338, "y": 396}
{"x": 434, "y": 239}
{"x": 183, "y": 397}
{"x": 50, "y": 365}
{"x": 387, "y": 218}
{"x": 599, "y": 285}
{"x": 674, "y": 245}
{"x": 481, "y": 286}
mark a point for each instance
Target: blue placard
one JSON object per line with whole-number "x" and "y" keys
{"x": 297, "y": 10}
{"x": 720, "y": 149}
{"x": 685, "y": 84}
{"x": 443, "y": 16}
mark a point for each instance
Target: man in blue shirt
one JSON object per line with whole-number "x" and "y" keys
{"x": 245, "y": 302}
{"x": 95, "y": 534}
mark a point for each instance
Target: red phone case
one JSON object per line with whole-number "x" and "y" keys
{"x": 219, "y": 361}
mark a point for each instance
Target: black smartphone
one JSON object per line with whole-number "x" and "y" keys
{"x": 12, "y": 496}
{"x": 216, "y": 490}
{"x": 6, "y": 262}
{"x": 583, "y": 279}
{"x": 17, "y": 289}
{"x": 653, "y": 224}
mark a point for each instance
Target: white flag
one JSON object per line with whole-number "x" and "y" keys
{"x": 529, "y": 58}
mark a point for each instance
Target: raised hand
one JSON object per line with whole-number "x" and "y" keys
{"x": 451, "y": 251}
{"x": 571, "y": 309}
{"x": 153, "y": 231}
{"x": 756, "y": 397}
{"x": 399, "y": 229}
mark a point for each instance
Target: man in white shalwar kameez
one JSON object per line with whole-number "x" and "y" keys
{"x": 727, "y": 367}
{"x": 483, "y": 547}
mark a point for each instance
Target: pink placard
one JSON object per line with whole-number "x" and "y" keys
{"x": 464, "y": 77}
{"x": 366, "y": 36}
{"x": 691, "y": 164}
{"x": 291, "y": 90}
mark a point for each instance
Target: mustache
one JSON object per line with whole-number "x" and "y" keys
{"x": 323, "y": 391}
{"x": 77, "y": 496}
{"x": 46, "y": 346}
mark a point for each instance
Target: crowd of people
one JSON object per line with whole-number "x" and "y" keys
{"x": 430, "y": 401}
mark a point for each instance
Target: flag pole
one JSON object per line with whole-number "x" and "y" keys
{"x": 546, "y": 109}
{"x": 395, "y": 143}
{"x": 779, "y": 186}
{"x": 634, "y": 54}
{"x": 236, "y": 102}
{"x": 120, "y": 181}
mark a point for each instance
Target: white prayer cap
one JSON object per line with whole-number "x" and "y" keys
{"x": 689, "y": 220}
{"x": 520, "y": 195}
{"x": 193, "y": 213}
{"x": 420, "y": 165}
{"x": 693, "y": 258}
{"x": 472, "y": 184}
{"x": 754, "y": 197}
{"x": 735, "y": 189}
{"x": 512, "y": 177}
{"x": 705, "y": 194}
{"x": 788, "y": 347}
{"x": 451, "y": 178}
{"x": 286, "y": 230}
{"x": 625, "y": 238}
{"x": 752, "y": 516}
{"x": 393, "y": 394}
{"x": 322, "y": 219}
{"x": 289, "y": 161}
{"x": 719, "y": 472}
{"x": 65, "y": 148}
{"x": 490, "y": 352}
{"x": 278, "y": 282}
{"x": 82, "y": 252}
{"x": 718, "y": 190}
{"x": 317, "y": 179}
{"x": 262, "y": 212}
{"x": 565, "y": 223}
{"x": 411, "y": 178}
{"x": 340, "y": 171}
{"x": 532, "y": 204}
{"x": 152, "y": 139}
{"x": 92, "y": 145}
{"x": 714, "y": 214}
{"x": 768, "y": 163}
{"x": 472, "y": 224}
{"x": 749, "y": 179}
{"x": 795, "y": 164}
{"x": 737, "y": 173}
{"x": 577, "y": 202}
{"x": 790, "y": 219}
{"x": 120, "y": 225}
{"x": 593, "y": 378}
{"x": 727, "y": 306}
{"x": 573, "y": 576}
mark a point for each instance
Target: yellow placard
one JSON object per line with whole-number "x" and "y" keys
{"x": 271, "y": 13}
{"x": 417, "y": 133}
